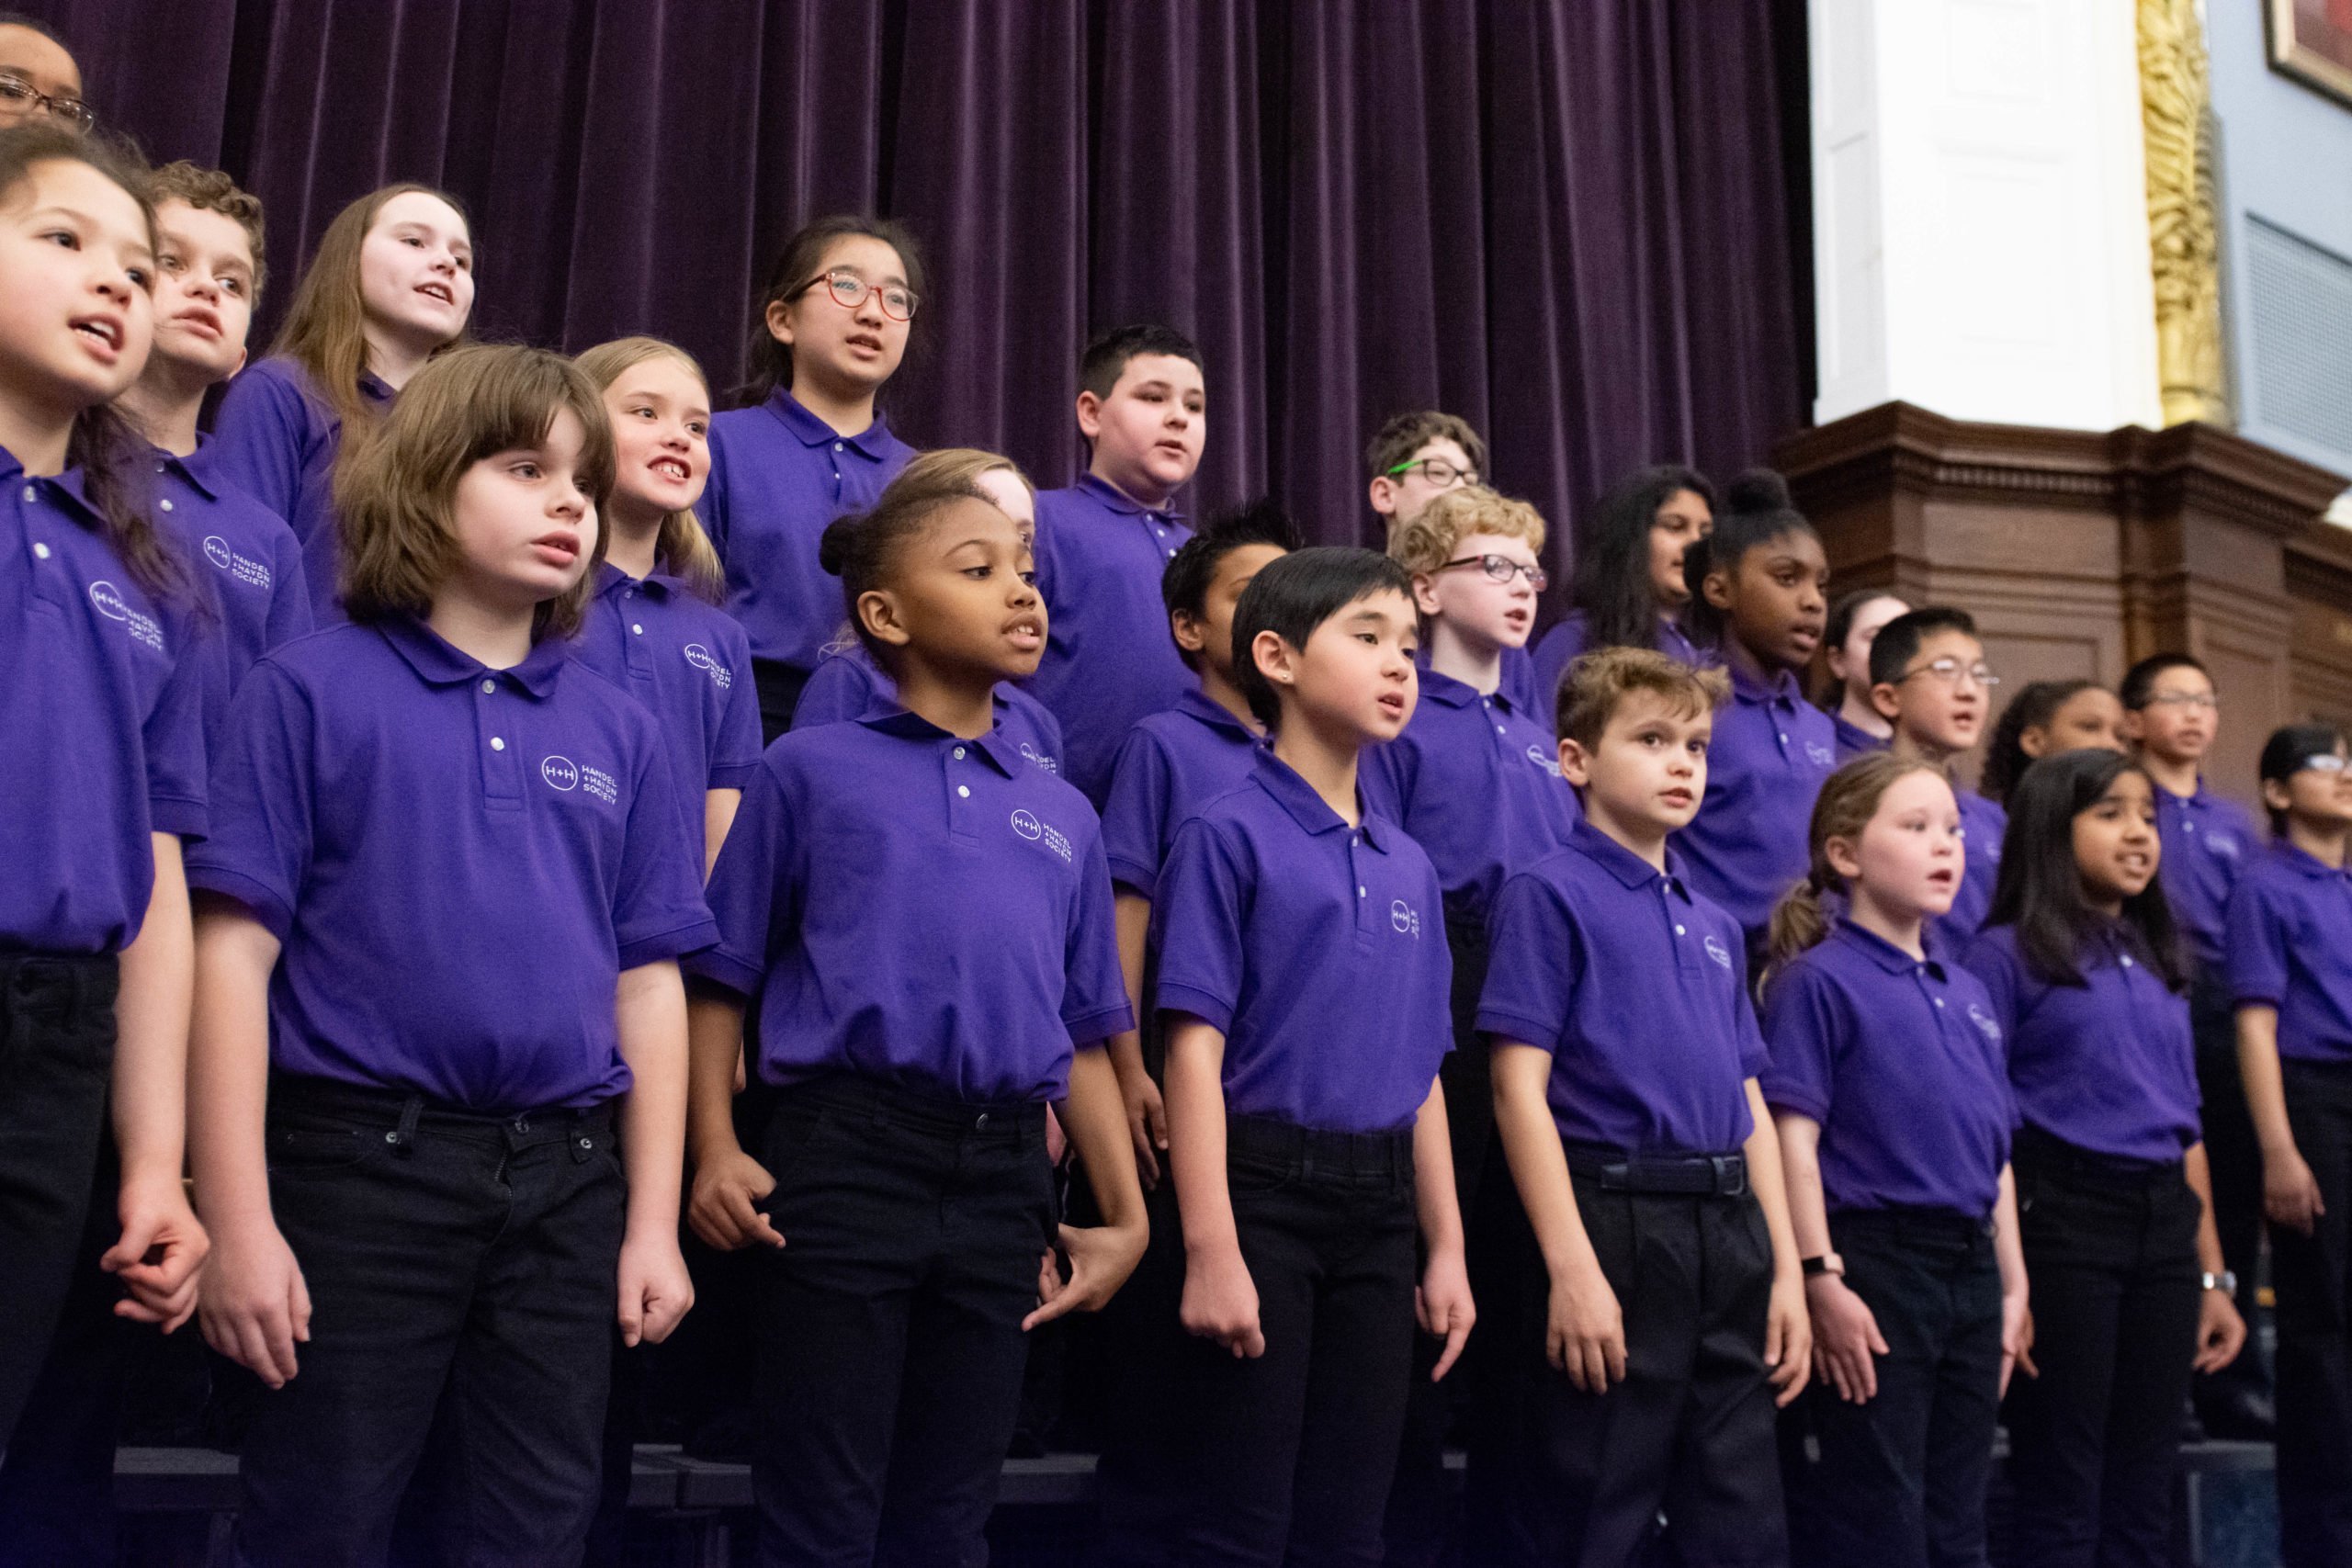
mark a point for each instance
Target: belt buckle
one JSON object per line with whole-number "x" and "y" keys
{"x": 1731, "y": 1175}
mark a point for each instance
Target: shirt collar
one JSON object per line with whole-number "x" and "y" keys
{"x": 1116, "y": 499}
{"x": 1195, "y": 705}
{"x": 437, "y": 663}
{"x": 1446, "y": 690}
{"x": 1747, "y": 688}
{"x": 611, "y": 580}
{"x": 893, "y": 718}
{"x": 815, "y": 431}
{"x": 375, "y": 388}
{"x": 2305, "y": 863}
{"x": 1883, "y": 953}
{"x": 67, "y": 484}
{"x": 1309, "y": 809}
{"x": 1624, "y": 863}
{"x": 190, "y": 469}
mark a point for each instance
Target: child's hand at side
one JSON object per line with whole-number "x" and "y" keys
{"x": 160, "y": 1254}
{"x": 655, "y": 1289}
{"x": 1221, "y": 1302}
{"x": 250, "y": 1299}
{"x": 1442, "y": 1305}
{"x": 1101, "y": 1258}
{"x": 722, "y": 1209}
{"x": 1788, "y": 1338}
{"x": 1586, "y": 1334}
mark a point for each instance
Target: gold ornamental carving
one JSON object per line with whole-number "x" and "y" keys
{"x": 2184, "y": 230}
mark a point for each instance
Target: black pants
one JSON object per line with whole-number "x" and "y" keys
{"x": 2233, "y": 1158}
{"x": 56, "y": 1056}
{"x": 890, "y": 1344}
{"x": 460, "y": 1267}
{"x": 2110, "y": 1247}
{"x": 1148, "y": 1356}
{"x": 1577, "y": 1478}
{"x": 779, "y": 685}
{"x": 1898, "y": 1481}
{"x": 1287, "y": 1458}
{"x": 1422, "y": 1510}
{"x": 2313, "y": 1276}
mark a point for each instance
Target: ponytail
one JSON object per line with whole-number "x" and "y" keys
{"x": 1846, "y": 803}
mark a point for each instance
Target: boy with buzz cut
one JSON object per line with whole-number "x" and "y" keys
{"x": 1303, "y": 982}
{"x": 1660, "y": 1261}
{"x": 1102, "y": 544}
{"x": 1929, "y": 681}
{"x": 1473, "y": 781}
{"x": 2208, "y": 840}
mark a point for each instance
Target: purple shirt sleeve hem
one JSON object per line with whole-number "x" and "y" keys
{"x": 2257, "y": 999}
{"x": 1525, "y": 1031}
{"x": 733, "y": 776}
{"x": 721, "y": 969}
{"x": 185, "y": 819}
{"x": 1788, "y": 1097}
{"x": 1210, "y": 1009}
{"x": 1089, "y": 1029}
{"x": 266, "y": 906}
{"x": 675, "y": 943}
{"x": 1134, "y": 876}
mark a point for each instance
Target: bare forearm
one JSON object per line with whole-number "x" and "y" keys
{"x": 714, "y": 1043}
{"x": 1196, "y": 1136}
{"x": 1800, "y": 1149}
{"x": 717, "y": 816}
{"x": 2266, "y": 1085}
{"x": 1539, "y": 1166}
{"x": 2009, "y": 1247}
{"x": 228, "y": 1069}
{"x": 2199, "y": 1174}
{"x": 158, "y": 980}
{"x": 1093, "y": 1116}
{"x": 1434, "y": 1194}
{"x": 650, "y": 1008}
{"x": 1763, "y": 1152}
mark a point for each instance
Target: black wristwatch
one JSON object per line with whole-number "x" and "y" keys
{"x": 2224, "y": 1281}
{"x": 1823, "y": 1263}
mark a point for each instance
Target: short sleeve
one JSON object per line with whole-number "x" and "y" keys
{"x": 258, "y": 852}
{"x": 1994, "y": 960}
{"x": 172, "y": 734}
{"x": 754, "y": 889}
{"x": 259, "y": 436}
{"x": 1135, "y": 816}
{"x": 1533, "y": 962}
{"x": 735, "y": 747}
{"x": 1094, "y": 992}
{"x": 1802, "y": 1027}
{"x": 290, "y": 592}
{"x": 1197, "y": 920}
{"x": 840, "y": 688}
{"x": 658, "y": 908}
{"x": 2259, "y": 940}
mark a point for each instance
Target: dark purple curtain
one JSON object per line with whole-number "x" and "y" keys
{"x": 1569, "y": 222}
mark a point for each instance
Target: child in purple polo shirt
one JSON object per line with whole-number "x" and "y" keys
{"x": 653, "y": 627}
{"x": 442, "y": 1185}
{"x": 1104, "y": 543}
{"x": 207, "y": 276}
{"x": 1891, "y": 1097}
{"x": 2046, "y": 717}
{"x": 1304, "y": 975}
{"x": 2130, "y": 1296}
{"x": 390, "y": 286}
{"x": 1756, "y": 585}
{"x": 2291, "y": 971}
{"x": 104, "y": 773}
{"x": 1630, "y": 591}
{"x": 1660, "y": 1305}
{"x": 1411, "y": 461}
{"x": 1928, "y": 680}
{"x": 1845, "y": 639}
{"x": 923, "y": 920}
{"x": 807, "y": 445}
{"x": 847, "y": 683}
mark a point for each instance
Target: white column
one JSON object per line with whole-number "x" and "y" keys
{"x": 1980, "y": 211}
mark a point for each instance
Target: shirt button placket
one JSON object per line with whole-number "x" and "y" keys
{"x": 502, "y": 773}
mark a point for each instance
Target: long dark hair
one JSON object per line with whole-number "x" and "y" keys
{"x": 2041, "y": 886}
{"x": 1612, "y": 575}
{"x": 2033, "y": 708}
{"x": 796, "y": 268}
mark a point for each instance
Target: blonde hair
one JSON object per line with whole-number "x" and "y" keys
{"x": 1843, "y": 810}
{"x": 1429, "y": 541}
{"x": 681, "y": 547}
{"x": 948, "y": 471}
{"x": 394, "y": 498}
{"x": 1598, "y": 683}
{"x": 325, "y": 331}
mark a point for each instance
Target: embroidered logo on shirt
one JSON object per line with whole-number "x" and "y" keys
{"x": 1551, "y": 765}
{"x": 1717, "y": 952}
{"x": 244, "y": 569}
{"x": 110, "y": 602}
{"x": 1039, "y": 759}
{"x": 1029, "y": 827}
{"x": 700, "y": 658}
{"x": 561, "y": 773}
{"x": 1404, "y": 917}
{"x": 2223, "y": 844}
{"x": 1823, "y": 756}
{"x": 1990, "y": 1030}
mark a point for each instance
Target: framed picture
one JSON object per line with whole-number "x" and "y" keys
{"x": 2311, "y": 42}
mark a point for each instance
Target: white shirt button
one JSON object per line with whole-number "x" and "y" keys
{"x": 496, "y": 744}
{"x": 40, "y": 549}
{"x": 837, "y": 445}
{"x": 963, "y": 790}
{"x": 1784, "y": 740}
{"x": 1359, "y": 892}
{"x": 166, "y": 504}
{"x": 636, "y": 629}
{"x": 1499, "y": 731}
{"x": 1678, "y": 930}
{"x": 1940, "y": 1001}
{"x": 31, "y": 493}
{"x": 959, "y": 753}
{"x": 489, "y": 685}
{"x": 2127, "y": 961}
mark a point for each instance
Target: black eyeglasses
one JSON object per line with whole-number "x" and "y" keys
{"x": 21, "y": 97}
{"x": 1502, "y": 568}
{"x": 849, "y": 291}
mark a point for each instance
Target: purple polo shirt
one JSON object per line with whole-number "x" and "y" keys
{"x": 2108, "y": 1065}
{"x": 1638, "y": 987}
{"x": 686, "y": 659}
{"x": 2290, "y": 948}
{"x": 1855, "y": 741}
{"x": 102, "y": 710}
{"x": 1982, "y": 825}
{"x": 459, "y": 861}
{"x": 915, "y": 907}
{"x": 1172, "y": 765}
{"x": 2208, "y": 841}
{"x": 1476, "y": 783}
{"x": 1317, "y": 949}
{"x": 1770, "y": 753}
{"x": 276, "y": 439}
{"x": 1560, "y": 647}
{"x": 847, "y": 684}
{"x": 1109, "y": 657}
{"x": 248, "y": 556}
{"x": 1901, "y": 1064}
{"x": 778, "y": 474}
